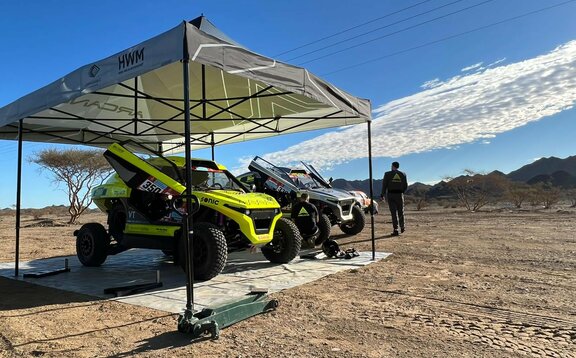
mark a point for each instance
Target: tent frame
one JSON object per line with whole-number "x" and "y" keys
{"x": 207, "y": 139}
{"x": 188, "y": 319}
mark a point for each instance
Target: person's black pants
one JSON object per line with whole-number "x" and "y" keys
{"x": 396, "y": 205}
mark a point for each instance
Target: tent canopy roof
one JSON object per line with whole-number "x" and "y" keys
{"x": 137, "y": 97}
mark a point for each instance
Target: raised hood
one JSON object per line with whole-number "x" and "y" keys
{"x": 338, "y": 194}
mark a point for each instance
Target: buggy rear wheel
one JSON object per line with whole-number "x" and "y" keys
{"x": 356, "y": 225}
{"x": 285, "y": 244}
{"x": 209, "y": 250}
{"x": 92, "y": 242}
{"x": 325, "y": 226}
{"x": 117, "y": 221}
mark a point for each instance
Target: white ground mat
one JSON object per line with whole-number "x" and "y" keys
{"x": 243, "y": 271}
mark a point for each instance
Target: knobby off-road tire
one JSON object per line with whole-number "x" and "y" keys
{"x": 285, "y": 244}
{"x": 92, "y": 242}
{"x": 325, "y": 226}
{"x": 356, "y": 225}
{"x": 210, "y": 251}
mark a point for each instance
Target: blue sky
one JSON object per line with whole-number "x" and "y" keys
{"x": 449, "y": 90}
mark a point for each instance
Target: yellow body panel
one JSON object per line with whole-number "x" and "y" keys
{"x": 230, "y": 203}
{"x": 148, "y": 229}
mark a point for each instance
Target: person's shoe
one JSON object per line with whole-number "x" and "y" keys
{"x": 394, "y": 233}
{"x": 402, "y": 229}
{"x": 307, "y": 244}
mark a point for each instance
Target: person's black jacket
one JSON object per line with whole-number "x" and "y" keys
{"x": 394, "y": 182}
{"x": 305, "y": 216}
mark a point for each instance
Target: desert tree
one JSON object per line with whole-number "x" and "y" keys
{"x": 535, "y": 197}
{"x": 475, "y": 190}
{"x": 419, "y": 197}
{"x": 571, "y": 195}
{"x": 80, "y": 170}
{"x": 549, "y": 195}
{"x": 518, "y": 193}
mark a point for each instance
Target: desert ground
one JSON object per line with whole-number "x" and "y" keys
{"x": 493, "y": 283}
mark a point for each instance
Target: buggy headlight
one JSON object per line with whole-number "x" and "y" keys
{"x": 240, "y": 210}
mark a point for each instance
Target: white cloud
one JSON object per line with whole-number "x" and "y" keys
{"x": 472, "y": 67}
{"x": 431, "y": 84}
{"x": 462, "y": 109}
{"x": 242, "y": 166}
{"x": 496, "y": 62}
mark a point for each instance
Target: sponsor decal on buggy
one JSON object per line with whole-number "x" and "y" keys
{"x": 154, "y": 185}
{"x": 136, "y": 218}
{"x": 210, "y": 201}
{"x": 276, "y": 185}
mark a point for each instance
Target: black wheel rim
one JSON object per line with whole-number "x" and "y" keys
{"x": 279, "y": 241}
{"x": 86, "y": 245}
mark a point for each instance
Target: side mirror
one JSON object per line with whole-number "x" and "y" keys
{"x": 253, "y": 187}
{"x": 330, "y": 180}
{"x": 178, "y": 203}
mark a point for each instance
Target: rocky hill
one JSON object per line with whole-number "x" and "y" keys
{"x": 544, "y": 166}
{"x": 551, "y": 171}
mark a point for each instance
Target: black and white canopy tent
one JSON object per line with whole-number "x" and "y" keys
{"x": 138, "y": 95}
{"x": 190, "y": 87}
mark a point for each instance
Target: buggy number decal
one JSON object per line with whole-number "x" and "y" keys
{"x": 152, "y": 185}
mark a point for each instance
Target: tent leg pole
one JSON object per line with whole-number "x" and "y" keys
{"x": 18, "y": 195}
{"x": 371, "y": 188}
{"x": 136, "y": 105}
{"x": 188, "y": 222}
{"x": 212, "y": 145}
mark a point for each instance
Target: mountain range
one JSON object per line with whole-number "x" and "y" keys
{"x": 553, "y": 171}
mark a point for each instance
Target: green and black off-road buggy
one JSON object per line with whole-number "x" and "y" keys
{"x": 145, "y": 210}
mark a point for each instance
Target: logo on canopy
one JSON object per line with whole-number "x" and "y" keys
{"x": 94, "y": 70}
{"x": 130, "y": 60}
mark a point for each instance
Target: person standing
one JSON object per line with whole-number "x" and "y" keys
{"x": 305, "y": 216}
{"x": 393, "y": 187}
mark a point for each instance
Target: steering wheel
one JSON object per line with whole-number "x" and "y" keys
{"x": 217, "y": 186}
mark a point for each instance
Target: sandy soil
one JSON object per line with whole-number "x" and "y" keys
{"x": 487, "y": 284}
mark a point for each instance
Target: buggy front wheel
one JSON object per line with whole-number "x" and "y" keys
{"x": 356, "y": 225}
{"x": 285, "y": 244}
{"x": 209, "y": 251}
